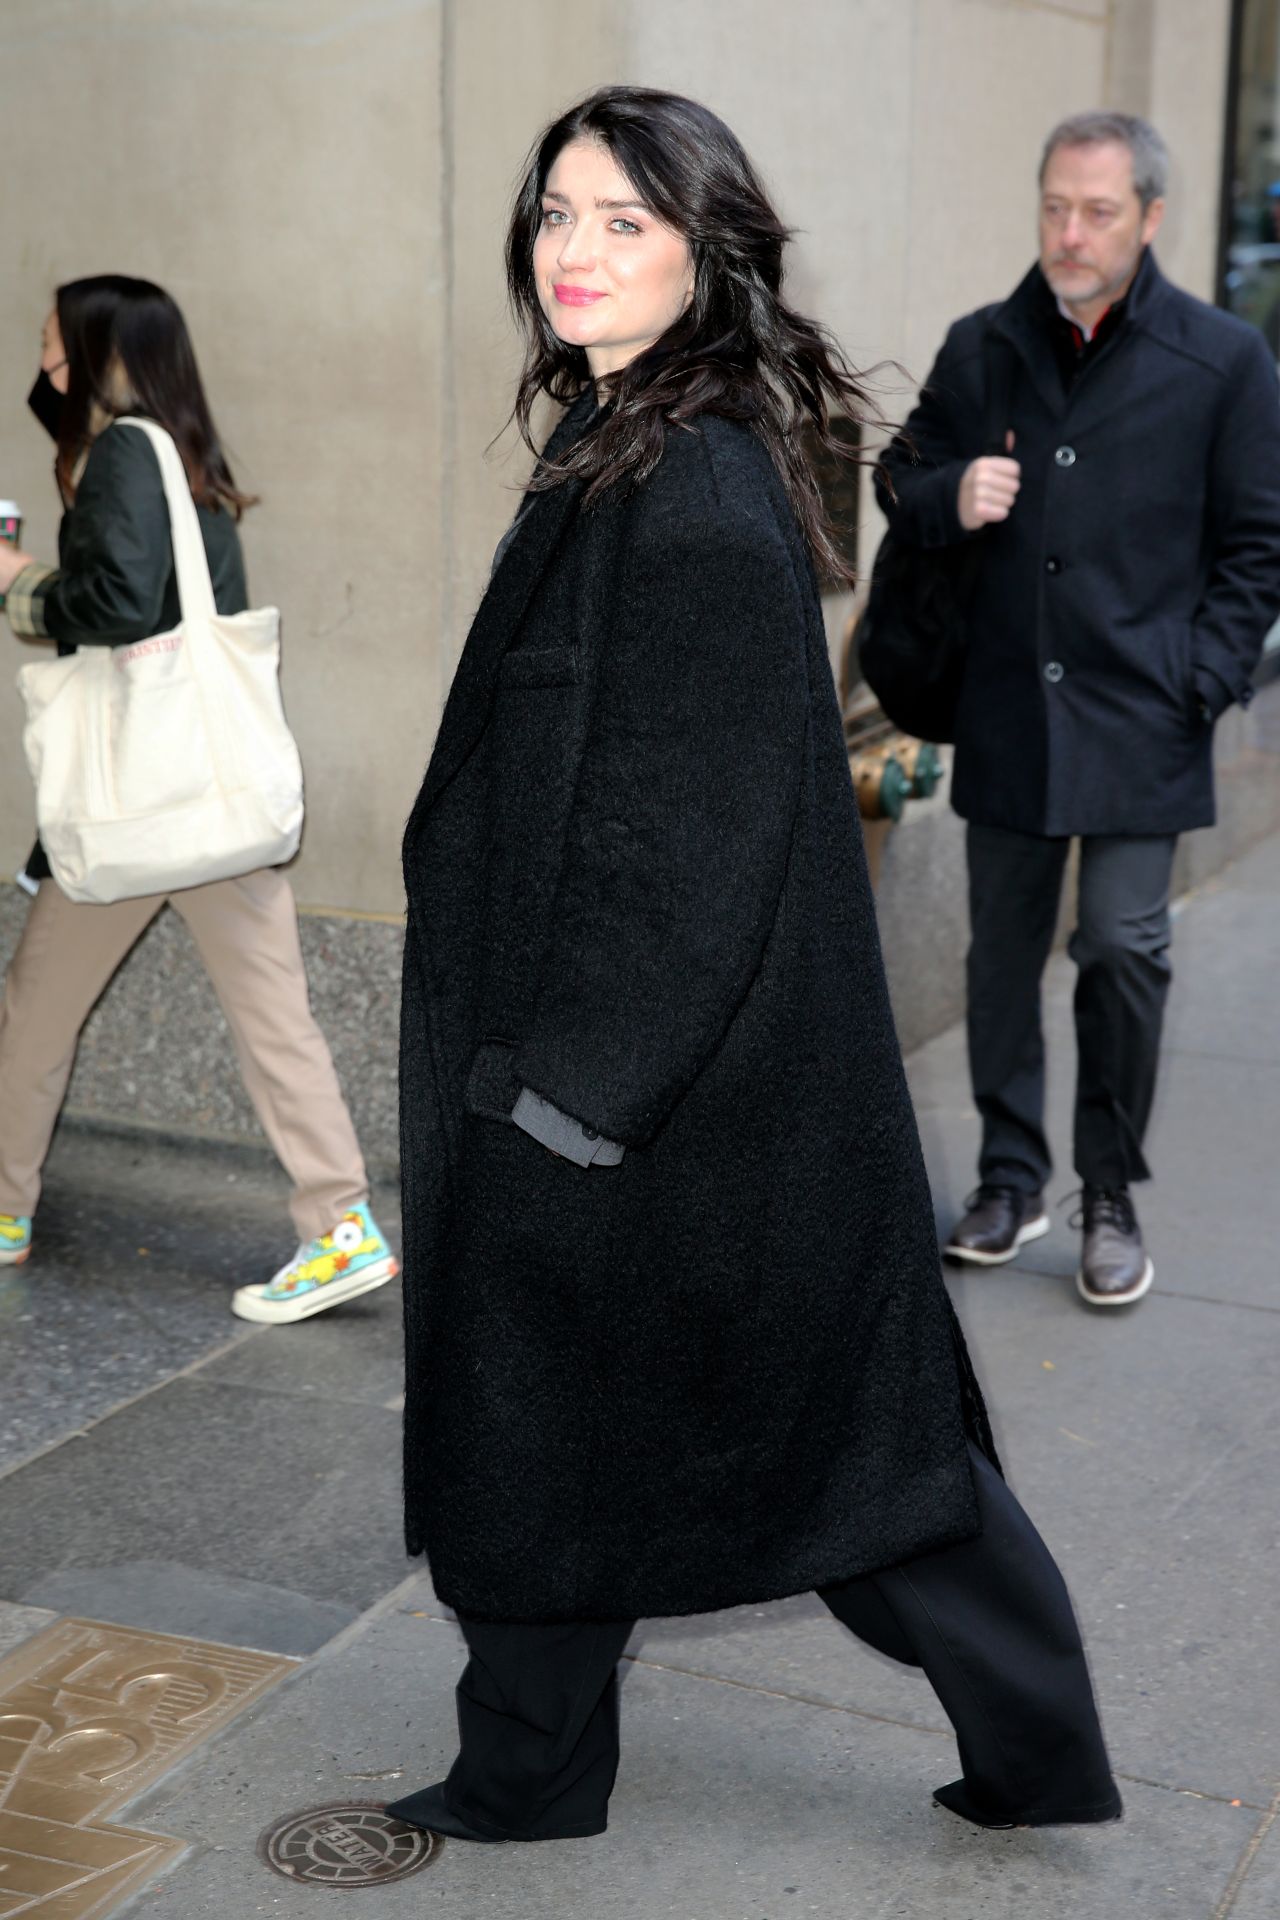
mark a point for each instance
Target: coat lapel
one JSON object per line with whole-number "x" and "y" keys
{"x": 1021, "y": 322}
{"x": 535, "y": 537}
{"x": 1120, "y": 378}
{"x": 1114, "y": 379}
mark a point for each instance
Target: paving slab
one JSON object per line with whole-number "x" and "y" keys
{"x": 1214, "y": 1212}
{"x": 139, "y": 1243}
{"x": 793, "y": 1647}
{"x": 1147, "y": 1451}
{"x": 351, "y": 1353}
{"x": 1257, "y": 1896}
{"x": 732, "y": 1804}
{"x": 1257, "y": 871}
{"x": 194, "y": 1604}
{"x": 280, "y": 1489}
{"x": 1223, "y": 956}
{"x": 123, "y": 1289}
{"x": 19, "y": 1623}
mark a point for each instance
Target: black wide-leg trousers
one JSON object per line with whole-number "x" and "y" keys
{"x": 990, "y": 1623}
{"x": 1121, "y": 950}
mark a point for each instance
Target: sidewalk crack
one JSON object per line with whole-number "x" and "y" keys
{"x": 1231, "y": 1892}
{"x": 919, "y": 1726}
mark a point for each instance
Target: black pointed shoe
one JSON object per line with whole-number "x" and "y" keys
{"x": 427, "y": 1808}
{"x": 1114, "y": 1267}
{"x": 998, "y": 1220}
{"x": 957, "y": 1798}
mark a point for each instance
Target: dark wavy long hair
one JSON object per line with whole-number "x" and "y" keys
{"x": 738, "y": 350}
{"x": 128, "y": 351}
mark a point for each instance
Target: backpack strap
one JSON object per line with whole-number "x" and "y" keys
{"x": 999, "y": 377}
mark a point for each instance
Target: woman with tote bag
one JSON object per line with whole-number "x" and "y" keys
{"x": 116, "y": 349}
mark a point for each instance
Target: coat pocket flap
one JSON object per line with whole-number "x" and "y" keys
{"x": 492, "y": 1086}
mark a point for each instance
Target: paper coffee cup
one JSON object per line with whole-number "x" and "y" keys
{"x": 10, "y": 526}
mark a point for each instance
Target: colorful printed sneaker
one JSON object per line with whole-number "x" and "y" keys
{"x": 353, "y": 1259}
{"x": 15, "y": 1239}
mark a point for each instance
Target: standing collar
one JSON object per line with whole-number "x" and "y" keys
{"x": 1033, "y": 303}
{"x": 1029, "y": 318}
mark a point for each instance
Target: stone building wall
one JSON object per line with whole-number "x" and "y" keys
{"x": 323, "y": 184}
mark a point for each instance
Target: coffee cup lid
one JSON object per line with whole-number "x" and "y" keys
{"x": 10, "y": 510}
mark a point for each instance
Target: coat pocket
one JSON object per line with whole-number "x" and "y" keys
{"x": 539, "y": 667}
{"x": 492, "y": 1087}
{"x": 1186, "y": 661}
{"x": 1142, "y": 661}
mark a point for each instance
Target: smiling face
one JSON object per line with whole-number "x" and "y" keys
{"x": 610, "y": 277}
{"x": 1092, "y": 226}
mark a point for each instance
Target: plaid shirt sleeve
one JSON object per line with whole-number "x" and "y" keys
{"x": 24, "y": 602}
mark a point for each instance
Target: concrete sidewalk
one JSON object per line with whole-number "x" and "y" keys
{"x": 168, "y": 1468}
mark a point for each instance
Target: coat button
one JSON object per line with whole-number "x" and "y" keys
{"x": 589, "y": 1133}
{"x": 1053, "y": 671}
{"x": 1053, "y": 564}
{"x": 1065, "y": 456}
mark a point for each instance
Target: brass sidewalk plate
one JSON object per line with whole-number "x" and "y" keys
{"x": 90, "y": 1714}
{"x": 355, "y": 1844}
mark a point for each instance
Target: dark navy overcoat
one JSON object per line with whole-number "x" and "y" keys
{"x": 1138, "y": 574}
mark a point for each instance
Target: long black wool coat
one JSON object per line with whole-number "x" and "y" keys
{"x": 1138, "y": 573}
{"x": 725, "y": 1369}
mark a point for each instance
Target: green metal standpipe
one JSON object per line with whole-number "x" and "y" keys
{"x": 923, "y": 766}
{"x": 882, "y": 785}
{"x": 895, "y": 789}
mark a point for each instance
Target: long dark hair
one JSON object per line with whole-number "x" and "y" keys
{"x": 128, "y": 351}
{"x": 738, "y": 350}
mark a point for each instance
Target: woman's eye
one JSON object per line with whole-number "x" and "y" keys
{"x": 625, "y": 226}
{"x": 553, "y": 216}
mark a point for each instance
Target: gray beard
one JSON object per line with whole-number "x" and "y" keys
{"x": 1107, "y": 290}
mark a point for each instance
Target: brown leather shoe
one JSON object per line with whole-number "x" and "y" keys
{"x": 997, "y": 1222}
{"x": 1114, "y": 1268}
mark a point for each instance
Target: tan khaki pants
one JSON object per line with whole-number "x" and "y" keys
{"x": 247, "y": 934}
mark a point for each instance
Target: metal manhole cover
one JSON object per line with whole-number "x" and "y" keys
{"x": 354, "y": 1844}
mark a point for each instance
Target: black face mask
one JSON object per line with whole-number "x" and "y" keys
{"x": 47, "y": 404}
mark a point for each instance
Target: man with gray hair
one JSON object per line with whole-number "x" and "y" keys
{"x": 1128, "y": 513}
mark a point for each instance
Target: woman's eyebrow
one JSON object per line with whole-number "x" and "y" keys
{"x": 605, "y": 206}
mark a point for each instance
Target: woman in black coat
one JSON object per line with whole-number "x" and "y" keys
{"x": 677, "y": 1337}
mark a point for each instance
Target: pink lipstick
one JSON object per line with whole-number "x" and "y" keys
{"x": 576, "y": 296}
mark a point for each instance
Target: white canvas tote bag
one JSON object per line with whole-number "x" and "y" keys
{"x": 168, "y": 763}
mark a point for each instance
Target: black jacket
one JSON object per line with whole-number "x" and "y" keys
{"x": 725, "y": 1369}
{"x": 116, "y": 581}
{"x": 1138, "y": 574}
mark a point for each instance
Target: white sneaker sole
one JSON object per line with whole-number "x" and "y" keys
{"x": 248, "y": 1303}
{"x": 8, "y": 1258}
{"x": 1116, "y": 1299}
{"x": 1033, "y": 1230}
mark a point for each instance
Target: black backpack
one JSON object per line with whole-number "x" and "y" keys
{"x": 912, "y": 636}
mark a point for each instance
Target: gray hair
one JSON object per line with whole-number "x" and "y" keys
{"x": 1146, "y": 147}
